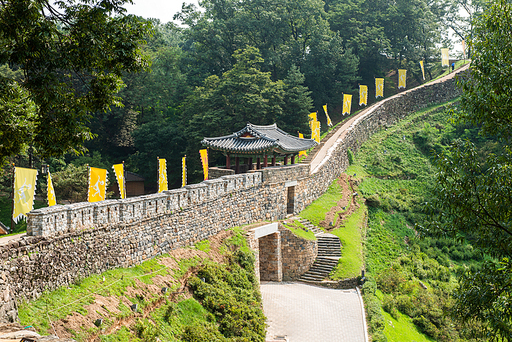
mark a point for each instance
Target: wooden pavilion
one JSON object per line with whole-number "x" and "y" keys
{"x": 258, "y": 143}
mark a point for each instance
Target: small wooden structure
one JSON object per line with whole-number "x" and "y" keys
{"x": 261, "y": 144}
{"x": 134, "y": 185}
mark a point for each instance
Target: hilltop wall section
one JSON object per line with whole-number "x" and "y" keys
{"x": 66, "y": 243}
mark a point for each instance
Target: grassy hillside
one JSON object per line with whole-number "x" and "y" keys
{"x": 205, "y": 293}
{"x": 410, "y": 279}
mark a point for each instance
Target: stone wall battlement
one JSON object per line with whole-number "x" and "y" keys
{"x": 79, "y": 216}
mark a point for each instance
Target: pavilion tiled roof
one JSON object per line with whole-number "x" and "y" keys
{"x": 254, "y": 139}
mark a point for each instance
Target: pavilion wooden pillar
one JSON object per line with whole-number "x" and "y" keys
{"x": 237, "y": 165}
{"x": 274, "y": 160}
{"x": 265, "y": 161}
{"x": 249, "y": 164}
{"x": 228, "y": 164}
{"x": 258, "y": 163}
{"x": 293, "y": 159}
{"x": 285, "y": 159}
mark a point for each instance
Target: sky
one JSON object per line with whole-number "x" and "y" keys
{"x": 160, "y": 9}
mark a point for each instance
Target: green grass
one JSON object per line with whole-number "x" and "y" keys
{"x": 458, "y": 64}
{"x": 66, "y": 300}
{"x": 316, "y": 211}
{"x": 203, "y": 246}
{"x": 299, "y": 230}
{"x": 403, "y": 329}
{"x": 351, "y": 262}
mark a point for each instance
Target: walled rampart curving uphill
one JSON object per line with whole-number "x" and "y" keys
{"x": 66, "y": 243}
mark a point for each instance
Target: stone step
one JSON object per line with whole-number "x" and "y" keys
{"x": 306, "y": 278}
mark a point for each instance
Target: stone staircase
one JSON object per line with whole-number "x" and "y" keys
{"x": 329, "y": 252}
{"x": 310, "y": 226}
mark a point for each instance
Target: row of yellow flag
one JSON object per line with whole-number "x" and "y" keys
{"x": 25, "y": 181}
{"x": 363, "y": 96}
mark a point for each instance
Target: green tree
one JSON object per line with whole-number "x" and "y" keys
{"x": 473, "y": 196}
{"x": 72, "y": 55}
{"x": 243, "y": 94}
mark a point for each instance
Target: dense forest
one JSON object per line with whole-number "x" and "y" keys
{"x": 233, "y": 62}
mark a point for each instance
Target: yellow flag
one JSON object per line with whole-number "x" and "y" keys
{"x": 302, "y": 153}
{"x": 97, "y": 184}
{"x": 162, "y": 175}
{"x": 317, "y": 131}
{"x": 52, "y": 200}
{"x": 347, "y": 103}
{"x": 24, "y": 192}
{"x": 329, "y": 122}
{"x": 363, "y": 95}
{"x": 184, "y": 171}
{"x": 445, "y": 57}
{"x": 119, "y": 171}
{"x": 314, "y": 131}
{"x": 402, "y": 77}
{"x": 204, "y": 160}
{"x": 422, "y": 70}
{"x": 379, "y": 87}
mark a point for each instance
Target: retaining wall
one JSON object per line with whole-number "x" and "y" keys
{"x": 66, "y": 243}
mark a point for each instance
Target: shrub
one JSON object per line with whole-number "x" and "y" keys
{"x": 350, "y": 157}
{"x": 230, "y": 293}
{"x": 202, "y": 332}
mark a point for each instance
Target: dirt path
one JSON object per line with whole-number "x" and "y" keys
{"x": 345, "y": 207}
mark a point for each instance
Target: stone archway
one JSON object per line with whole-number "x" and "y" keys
{"x": 266, "y": 241}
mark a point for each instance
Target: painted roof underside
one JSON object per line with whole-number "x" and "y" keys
{"x": 265, "y": 139}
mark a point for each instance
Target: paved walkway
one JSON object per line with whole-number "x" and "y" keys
{"x": 330, "y": 145}
{"x": 305, "y": 313}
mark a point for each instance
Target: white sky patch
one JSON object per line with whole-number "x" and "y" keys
{"x": 160, "y": 9}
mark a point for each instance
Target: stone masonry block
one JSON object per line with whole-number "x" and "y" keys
{"x": 197, "y": 193}
{"x": 80, "y": 215}
{"x": 173, "y": 199}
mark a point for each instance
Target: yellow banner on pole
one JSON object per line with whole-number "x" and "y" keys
{"x": 119, "y": 172}
{"x": 445, "y": 57}
{"x": 312, "y": 117}
{"x": 317, "y": 131}
{"x": 302, "y": 153}
{"x": 402, "y": 78}
{"x": 52, "y": 200}
{"x": 204, "y": 159}
{"x": 183, "y": 171}
{"x": 363, "y": 95}
{"x": 379, "y": 87}
{"x": 329, "y": 122}
{"x": 347, "y": 104}
{"x": 422, "y": 70}
{"x": 162, "y": 175}
{"x": 24, "y": 192}
{"x": 97, "y": 184}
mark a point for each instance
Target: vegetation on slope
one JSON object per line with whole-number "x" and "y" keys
{"x": 411, "y": 279}
{"x": 210, "y": 294}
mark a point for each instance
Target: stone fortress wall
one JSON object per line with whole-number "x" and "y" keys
{"x": 67, "y": 243}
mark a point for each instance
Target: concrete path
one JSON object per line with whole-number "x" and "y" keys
{"x": 329, "y": 146}
{"x": 305, "y": 313}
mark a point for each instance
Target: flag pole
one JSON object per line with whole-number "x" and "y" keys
{"x": 12, "y": 202}
{"x": 124, "y": 182}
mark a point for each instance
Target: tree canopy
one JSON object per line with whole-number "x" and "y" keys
{"x": 473, "y": 193}
{"x": 71, "y": 55}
